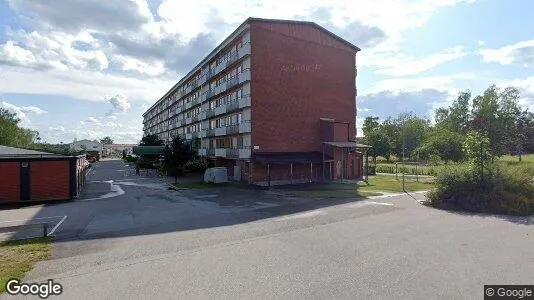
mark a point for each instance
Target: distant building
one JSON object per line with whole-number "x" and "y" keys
{"x": 275, "y": 102}
{"x": 87, "y": 145}
{"x": 118, "y": 148}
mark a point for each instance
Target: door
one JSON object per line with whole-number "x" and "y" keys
{"x": 24, "y": 180}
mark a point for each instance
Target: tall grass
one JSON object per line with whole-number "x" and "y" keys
{"x": 503, "y": 188}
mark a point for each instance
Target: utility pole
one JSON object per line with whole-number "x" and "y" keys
{"x": 403, "y": 147}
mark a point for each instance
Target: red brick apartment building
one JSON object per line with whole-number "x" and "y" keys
{"x": 274, "y": 103}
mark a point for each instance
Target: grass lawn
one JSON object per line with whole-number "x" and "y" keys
{"x": 378, "y": 185}
{"x": 19, "y": 257}
{"x": 527, "y": 159}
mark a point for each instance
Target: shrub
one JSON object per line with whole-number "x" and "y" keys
{"x": 195, "y": 166}
{"x": 146, "y": 163}
{"x": 505, "y": 189}
{"x": 130, "y": 158}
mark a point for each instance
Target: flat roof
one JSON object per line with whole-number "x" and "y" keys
{"x": 346, "y": 145}
{"x": 288, "y": 157}
{"x": 11, "y": 151}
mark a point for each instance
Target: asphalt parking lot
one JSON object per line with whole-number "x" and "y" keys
{"x": 132, "y": 237}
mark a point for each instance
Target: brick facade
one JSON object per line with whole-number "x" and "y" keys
{"x": 9, "y": 181}
{"x": 41, "y": 178}
{"x": 295, "y": 82}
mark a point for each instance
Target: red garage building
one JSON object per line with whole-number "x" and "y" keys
{"x": 27, "y": 175}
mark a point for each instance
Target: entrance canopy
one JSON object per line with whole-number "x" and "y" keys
{"x": 287, "y": 157}
{"x": 347, "y": 145}
{"x": 148, "y": 150}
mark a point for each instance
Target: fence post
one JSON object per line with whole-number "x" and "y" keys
{"x": 403, "y": 185}
{"x": 45, "y": 229}
{"x": 416, "y": 173}
{"x": 396, "y": 171}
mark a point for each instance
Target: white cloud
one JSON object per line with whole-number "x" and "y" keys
{"x": 58, "y": 128}
{"x": 446, "y": 83}
{"x": 9, "y": 52}
{"x": 526, "y": 88}
{"x": 398, "y": 64}
{"x": 154, "y": 68}
{"x": 81, "y": 84}
{"x": 32, "y": 110}
{"x": 94, "y": 121}
{"x": 520, "y": 53}
{"x": 119, "y": 102}
{"x": 22, "y": 112}
{"x": 53, "y": 50}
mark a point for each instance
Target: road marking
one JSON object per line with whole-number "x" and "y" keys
{"x": 308, "y": 214}
{"x": 115, "y": 191}
{"x": 57, "y": 225}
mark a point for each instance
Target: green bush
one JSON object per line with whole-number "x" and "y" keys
{"x": 503, "y": 188}
{"x": 130, "y": 158}
{"x": 195, "y": 166}
{"x": 407, "y": 169}
{"x": 146, "y": 163}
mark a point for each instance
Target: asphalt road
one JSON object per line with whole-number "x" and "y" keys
{"x": 145, "y": 241}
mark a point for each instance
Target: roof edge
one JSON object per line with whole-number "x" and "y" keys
{"x": 335, "y": 36}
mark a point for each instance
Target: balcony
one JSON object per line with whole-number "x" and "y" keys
{"x": 232, "y": 129}
{"x": 210, "y": 132}
{"x": 194, "y": 84}
{"x": 208, "y": 94}
{"x": 232, "y": 106}
{"x": 194, "y": 119}
{"x": 232, "y": 153}
{"x": 234, "y": 56}
{"x": 194, "y": 135}
{"x": 210, "y": 113}
{"x": 220, "y": 152}
{"x": 233, "y": 81}
{"x": 226, "y": 153}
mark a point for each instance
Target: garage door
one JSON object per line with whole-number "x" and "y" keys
{"x": 49, "y": 180}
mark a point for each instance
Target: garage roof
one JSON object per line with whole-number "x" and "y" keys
{"x": 6, "y": 151}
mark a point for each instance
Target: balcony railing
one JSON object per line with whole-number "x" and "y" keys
{"x": 233, "y": 81}
{"x": 210, "y": 113}
{"x": 232, "y": 129}
{"x": 233, "y": 153}
{"x": 210, "y": 132}
{"x": 234, "y": 105}
{"x": 226, "y": 152}
{"x": 232, "y": 59}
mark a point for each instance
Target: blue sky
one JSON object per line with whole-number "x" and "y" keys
{"x": 87, "y": 69}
